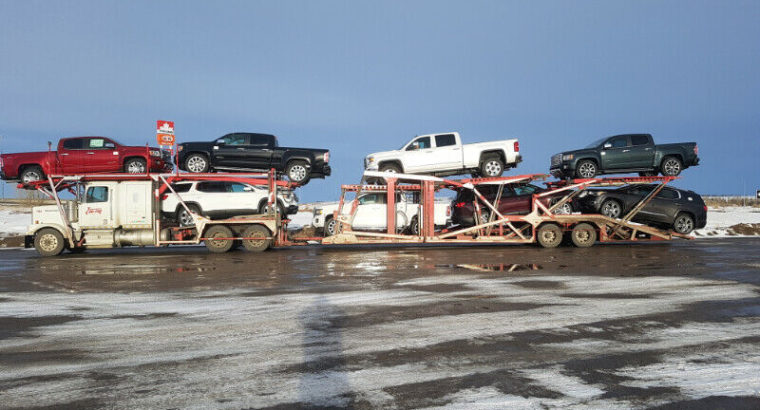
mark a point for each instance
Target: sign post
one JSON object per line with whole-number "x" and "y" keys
{"x": 165, "y": 137}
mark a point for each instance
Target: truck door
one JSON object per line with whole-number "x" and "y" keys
{"x": 641, "y": 153}
{"x": 70, "y": 155}
{"x": 420, "y": 156}
{"x": 447, "y": 152}
{"x": 615, "y": 153}
{"x": 100, "y": 155}
{"x": 259, "y": 152}
{"x": 96, "y": 211}
{"x": 229, "y": 151}
{"x": 371, "y": 212}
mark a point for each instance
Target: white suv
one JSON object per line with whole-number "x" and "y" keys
{"x": 223, "y": 199}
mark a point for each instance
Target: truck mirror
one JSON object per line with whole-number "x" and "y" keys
{"x": 220, "y": 141}
{"x": 607, "y": 145}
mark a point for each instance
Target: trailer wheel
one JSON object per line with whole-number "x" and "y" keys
{"x": 49, "y": 242}
{"x": 256, "y": 245}
{"x": 219, "y": 245}
{"x": 583, "y": 235}
{"x": 549, "y": 235}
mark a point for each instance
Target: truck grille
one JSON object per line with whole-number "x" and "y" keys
{"x": 556, "y": 160}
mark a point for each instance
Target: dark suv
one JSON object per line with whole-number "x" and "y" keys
{"x": 516, "y": 199}
{"x": 681, "y": 210}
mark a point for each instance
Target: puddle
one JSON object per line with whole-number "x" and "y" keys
{"x": 494, "y": 267}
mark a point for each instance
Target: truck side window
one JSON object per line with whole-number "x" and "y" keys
{"x": 259, "y": 139}
{"x": 419, "y": 143}
{"x": 96, "y": 143}
{"x": 236, "y": 187}
{"x": 445, "y": 140}
{"x": 75, "y": 143}
{"x": 96, "y": 194}
{"x": 234, "y": 139}
{"x": 639, "y": 140}
{"x": 619, "y": 142}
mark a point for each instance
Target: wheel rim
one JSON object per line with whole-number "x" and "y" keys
{"x": 493, "y": 168}
{"x": 297, "y": 173}
{"x": 415, "y": 227}
{"x": 583, "y": 235}
{"x": 196, "y": 164}
{"x": 587, "y": 170}
{"x": 330, "y": 228}
{"x": 218, "y": 242}
{"x": 32, "y": 176}
{"x": 684, "y": 224}
{"x": 565, "y": 209}
{"x": 256, "y": 243}
{"x": 485, "y": 216}
{"x": 672, "y": 167}
{"x": 185, "y": 218}
{"x": 48, "y": 242}
{"x": 611, "y": 209}
{"x": 548, "y": 236}
{"x": 136, "y": 167}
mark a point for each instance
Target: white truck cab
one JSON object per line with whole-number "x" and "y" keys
{"x": 444, "y": 154}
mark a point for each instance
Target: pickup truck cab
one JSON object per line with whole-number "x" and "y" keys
{"x": 444, "y": 154}
{"x": 79, "y": 155}
{"x": 245, "y": 151}
{"x": 371, "y": 214}
{"x": 623, "y": 154}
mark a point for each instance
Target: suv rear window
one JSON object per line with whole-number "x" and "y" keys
{"x": 668, "y": 194}
{"x": 181, "y": 187}
{"x": 211, "y": 186}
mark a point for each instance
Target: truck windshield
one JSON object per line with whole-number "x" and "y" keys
{"x": 596, "y": 143}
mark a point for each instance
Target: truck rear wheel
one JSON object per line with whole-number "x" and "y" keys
{"x": 49, "y": 242}
{"x": 31, "y": 173}
{"x": 671, "y": 166}
{"x": 549, "y": 235}
{"x": 219, "y": 245}
{"x": 256, "y": 245}
{"x": 583, "y": 235}
{"x": 297, "y": 171}
{"x": 491, "y": 167}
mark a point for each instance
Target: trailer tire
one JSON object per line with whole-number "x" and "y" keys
{"x": 31, "y": 173}
{"x": 549, "y": 235}
{"x": 219, "y": 245}
{"x": 297, "y": 171}
{"x": 49, "y": 242}
{"x": 492, "y": 166}
{"x": 135, "y": 166}
{"x": 671, "y": 166}
{"x": 583, "y": 235}
{"x": 256, "y": 245}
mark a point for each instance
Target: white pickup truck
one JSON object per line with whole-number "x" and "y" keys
{"x": 371, "y": 214}
{"x": 444, "y": 154}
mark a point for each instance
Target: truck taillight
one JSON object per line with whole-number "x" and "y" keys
{"x": 164, "y": 196}
{"x": 517, "y": 146}
{"x": 327, "y": 157}
{"x": 696, "y": 149}
{"x": 460, "y": 204}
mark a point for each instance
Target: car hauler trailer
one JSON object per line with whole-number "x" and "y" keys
{"x": 542, "y": 225}
{"x": 112, "y": 211}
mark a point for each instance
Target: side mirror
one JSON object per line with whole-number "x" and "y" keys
{"x": 109, "y": 145}
{"x": 220, "y": 142}
{"x": 607, "y": 145}
{"x": 248, "y": 189}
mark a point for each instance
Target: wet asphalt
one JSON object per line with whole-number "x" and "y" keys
{"x": 670, "y": 325}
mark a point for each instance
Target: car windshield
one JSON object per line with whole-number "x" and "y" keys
{"x": 596, "y": 143}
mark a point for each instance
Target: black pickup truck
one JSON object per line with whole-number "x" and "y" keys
{"x": 625, "y": 153}
{"x": 245, "y": 151}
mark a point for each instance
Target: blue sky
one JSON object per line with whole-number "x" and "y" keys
{"x": 358, "y": 77}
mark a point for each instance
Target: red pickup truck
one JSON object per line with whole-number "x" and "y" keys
{"x": 83, "y": 155}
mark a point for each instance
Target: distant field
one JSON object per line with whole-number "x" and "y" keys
{"x": 718, "y": 201}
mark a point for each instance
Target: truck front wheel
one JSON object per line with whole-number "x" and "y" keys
{"x": 31, "y": 174}
{"x": 49, "y": 242}
{"x": 135, "y": 166}
{"x": 218, "y": 239}
{"x": 196, "y": 163}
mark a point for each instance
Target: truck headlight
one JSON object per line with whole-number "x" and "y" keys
{"x": 180, "y": 148}
{"x": 318, "y": 211}
{"x": 567, "y": 157}
{"x": 369, "y": 160}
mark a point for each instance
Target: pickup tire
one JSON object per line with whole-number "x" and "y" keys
{"x": 391, "y": 167}
{"x": 549, "y": 235}
{"x": 219, "y": 245}
{"x": 197, "y": 163}
{"x": 135, "y": 166}
{"x": 331, "y": 226}
{"x": 49, "y": 242}
{"x": 491, "y": 166}
{"x": 31, "y": 173}
{"x": 256, "y": 245}
{"x": 297, "y": 171}
{"x": 414, "y": 226}
{"x": 586, "y": 169}
{"x": 184, "y": 218}
{"x": 671, "y": 166}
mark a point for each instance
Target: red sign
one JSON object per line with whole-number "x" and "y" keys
{"x": 165, "y": 132}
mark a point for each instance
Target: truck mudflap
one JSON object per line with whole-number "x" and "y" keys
{"x": 28, "y": 241}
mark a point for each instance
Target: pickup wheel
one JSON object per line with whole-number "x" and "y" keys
{"x": 414, "y": 226}
{"x": 184, "y": 218}
{"x": 671, "y": 166}
{"x": 49, "y": 242}
{"x": 135, "y": 166}
{"x": 583, "y": 235}
{"x": 491, "y": 167}
{"x": 390, "y": 168}
{"x": 256, "y": 245}
{"x": 196, "y": 163}
{"x": 219, "y": 245}
{"x": 586, "y": 169}
{"x": 31, "y": 174}
{"x": 297, "y": 171}
{"x": 331, "y": 226}
{"x": 549, "y": 235}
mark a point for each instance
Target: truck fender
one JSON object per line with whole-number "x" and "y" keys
{"x": 396, "y": 162}
{"x": 660, "y": 155}
{"x": 296, "y": 156}
{"x": 500, "y": 152}
{"x": 33, "y": 229}
{"x": 596, "y": 158}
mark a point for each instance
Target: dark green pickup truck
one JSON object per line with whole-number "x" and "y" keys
{"x": 621, "y": 154}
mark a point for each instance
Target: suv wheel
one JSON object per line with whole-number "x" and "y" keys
{"x": 184, "y": 218}
{"x": 683, "y": 224}
{"x": 331, "y": 226}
